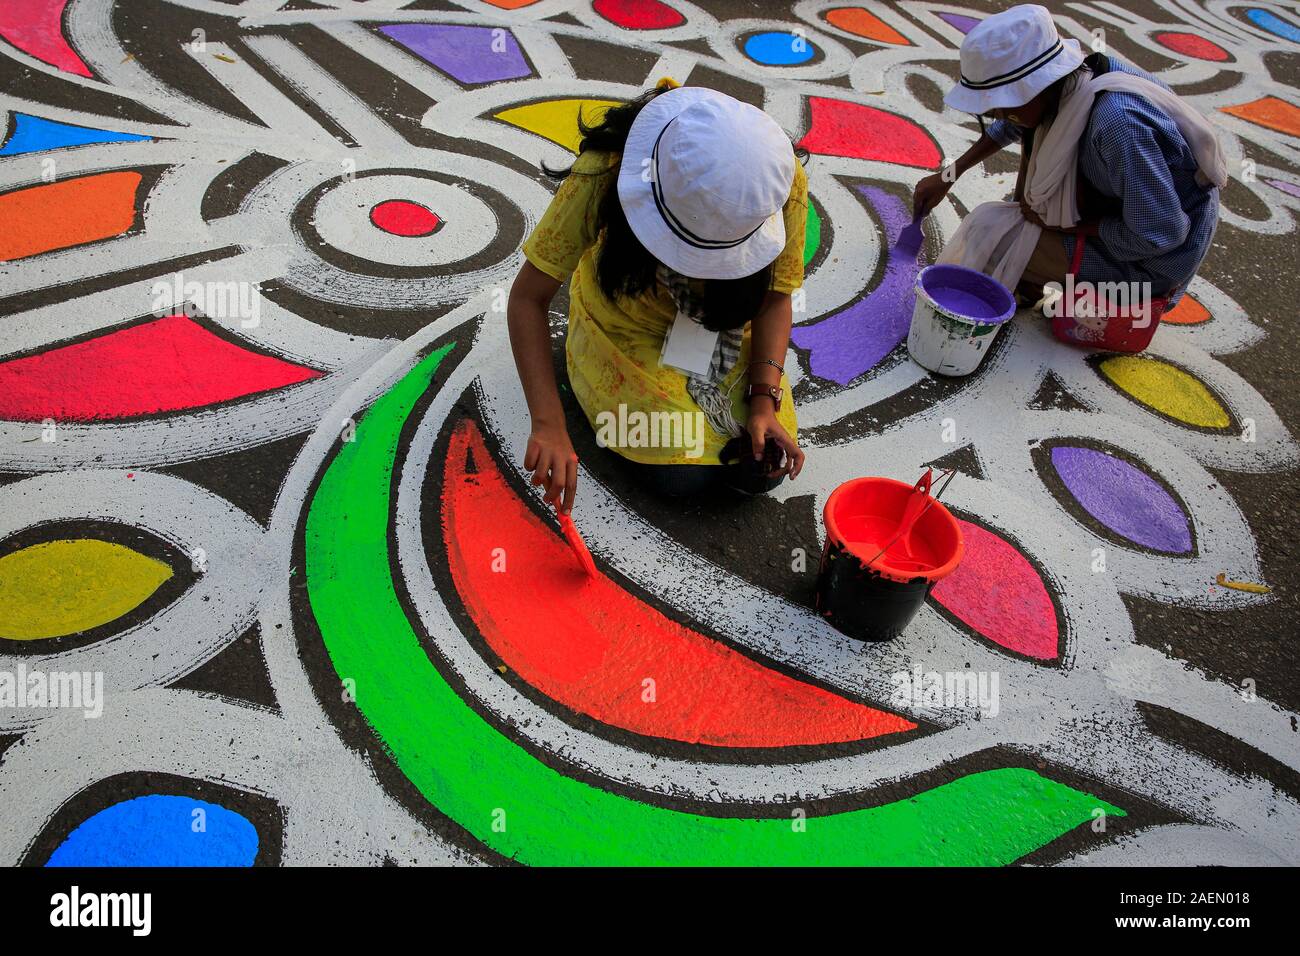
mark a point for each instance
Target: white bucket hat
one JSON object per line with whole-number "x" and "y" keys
{"x": 1009, "y": 58}
{"x": 702, "y": 182}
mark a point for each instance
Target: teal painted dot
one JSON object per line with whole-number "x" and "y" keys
{"x": 779, "y": 48}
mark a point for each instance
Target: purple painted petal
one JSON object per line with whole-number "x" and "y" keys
{"x": 464, "y": 53}
{"x": 1124, "y": 498}
{"x": 1291, "y": 188}
{"x": 959, "y": 20}
{"x": 855, "y": 339}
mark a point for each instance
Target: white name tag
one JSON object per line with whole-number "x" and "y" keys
{"x": 688, "y": 346}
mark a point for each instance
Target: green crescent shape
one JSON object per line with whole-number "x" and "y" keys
{"x": 522, "y": 808}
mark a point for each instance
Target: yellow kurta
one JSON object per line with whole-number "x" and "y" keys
{"x": 612, "y": 347}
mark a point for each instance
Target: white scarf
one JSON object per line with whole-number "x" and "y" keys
{"x": 997, "y": 239}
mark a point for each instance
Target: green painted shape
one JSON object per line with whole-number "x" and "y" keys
{"x": 812, "y": 235}
{"x": 473, "y": 773}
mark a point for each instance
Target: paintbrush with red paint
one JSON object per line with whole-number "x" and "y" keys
{"x": 579, "y": 547}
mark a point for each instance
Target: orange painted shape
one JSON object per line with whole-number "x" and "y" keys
{"x": 71, "y": 212}
{"x": 511, "y": 4}
{"x": 590, "y": 645}
{"x": 1269, "y": 111}
{"x": 865, "y": 24}
{"x": 1187, "y": 312}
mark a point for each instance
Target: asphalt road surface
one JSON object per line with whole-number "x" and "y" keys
{"x": 262, "y": 502}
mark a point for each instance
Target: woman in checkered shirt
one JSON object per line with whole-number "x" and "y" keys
{"x": 1146, "y": 211}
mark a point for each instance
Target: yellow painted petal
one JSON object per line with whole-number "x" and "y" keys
{"x": 1167, "y": 389}
{"x": 57, "y": 588}
{"x": 557, "y": 120}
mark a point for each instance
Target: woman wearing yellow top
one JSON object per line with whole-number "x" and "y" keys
{"x": 681, "y": 225}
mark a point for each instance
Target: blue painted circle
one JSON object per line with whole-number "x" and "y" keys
{"x": 779, "y": 48}
{"x": 160, "y": 830}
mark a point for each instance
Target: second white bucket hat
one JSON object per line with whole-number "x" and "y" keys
{"x": 1009, "y": 58}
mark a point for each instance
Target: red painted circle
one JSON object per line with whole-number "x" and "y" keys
{"x": 401, "y": 217}
{"x": 1189, "y": 44}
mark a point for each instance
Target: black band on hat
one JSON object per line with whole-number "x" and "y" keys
{"x": 1019, "y": 73}
{"x": 679, "y": 230}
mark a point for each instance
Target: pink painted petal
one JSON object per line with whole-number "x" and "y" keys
{"x": 36, "y": 28}
{"x": 164, "y": 365}
{"x": 1000, "y": 595}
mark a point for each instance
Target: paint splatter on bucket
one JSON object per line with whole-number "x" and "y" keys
{"x": 957, "y": 316}
{"x": 870, "y": 585}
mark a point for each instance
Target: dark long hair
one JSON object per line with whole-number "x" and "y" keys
{"x": 624, "y": 267}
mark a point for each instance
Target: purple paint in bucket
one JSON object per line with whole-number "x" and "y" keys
{"x": 967, "y": 293}
{"x": 957, "y": 315}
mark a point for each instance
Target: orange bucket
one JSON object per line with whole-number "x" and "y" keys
{"x": 876, "y": 574}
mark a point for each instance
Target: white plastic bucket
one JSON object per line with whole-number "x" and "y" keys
{"x": 957, "y": 316}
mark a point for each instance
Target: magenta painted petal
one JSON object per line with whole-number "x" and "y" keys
{"x": 163, "y": 365}
{"x": 36, "y": 28}
{"x": 1001, "y": 596}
